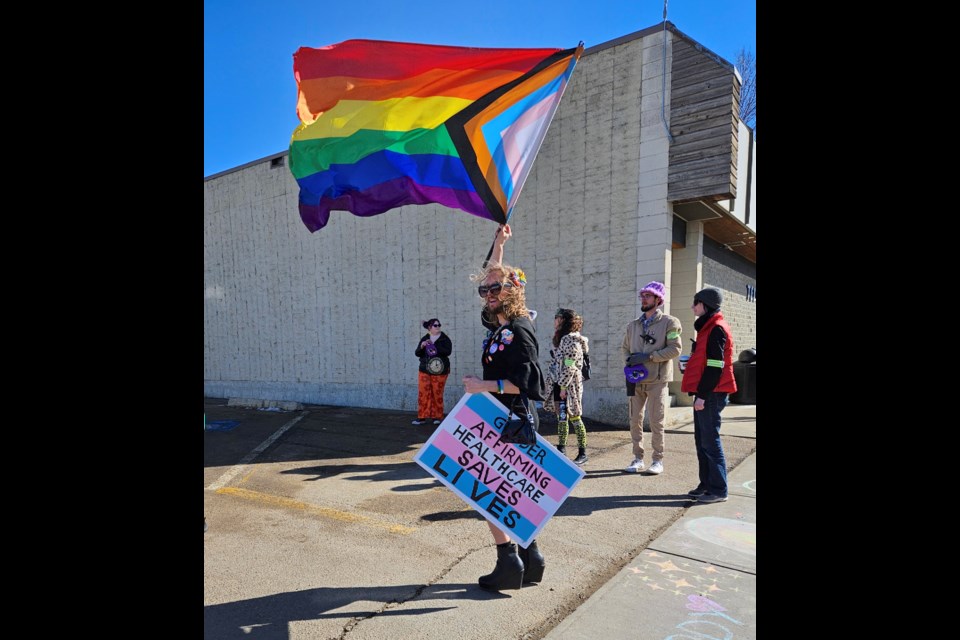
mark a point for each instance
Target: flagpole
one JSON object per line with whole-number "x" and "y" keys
{"x": 492, "y": 245}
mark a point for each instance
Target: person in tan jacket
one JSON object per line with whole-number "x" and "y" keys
{"x": 650, "y": 343}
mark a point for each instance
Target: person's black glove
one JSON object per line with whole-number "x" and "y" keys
{"x": 637, "y": 358}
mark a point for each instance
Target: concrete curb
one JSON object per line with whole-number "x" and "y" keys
{"x": 252, "y": 403}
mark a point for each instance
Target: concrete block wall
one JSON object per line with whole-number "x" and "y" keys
{"x": 334, "y": 317}
{"x": 739, "y": 313}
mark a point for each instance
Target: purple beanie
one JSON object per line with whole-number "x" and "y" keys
{"x": 656, "y": 288}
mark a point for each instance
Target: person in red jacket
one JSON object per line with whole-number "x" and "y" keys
{"x": 708, "y": 377}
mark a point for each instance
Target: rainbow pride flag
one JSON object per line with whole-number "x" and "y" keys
{"x": 386, "y": 124}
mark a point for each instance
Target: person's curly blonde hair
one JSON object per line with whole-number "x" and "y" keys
{"x": 513, "y": 298}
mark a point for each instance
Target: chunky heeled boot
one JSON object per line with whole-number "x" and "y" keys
{"x": 582, "y": 456}
{"x": 533, "y": 563}
{"x": 508, "y": 574}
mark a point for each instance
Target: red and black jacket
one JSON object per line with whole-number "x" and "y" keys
{"x": 710, "y": 368}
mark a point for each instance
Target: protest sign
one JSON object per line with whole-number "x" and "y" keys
{"x": 516, "y": 487}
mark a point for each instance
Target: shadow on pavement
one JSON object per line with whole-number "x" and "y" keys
{"x": 268, "y": 617}
{"x": 328, "y": 433}
{"x": 389, "y": 472}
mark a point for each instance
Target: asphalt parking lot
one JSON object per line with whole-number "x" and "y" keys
{"x": 322, "y": 526}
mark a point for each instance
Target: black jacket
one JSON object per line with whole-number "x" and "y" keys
{"x": 444, "y": 349}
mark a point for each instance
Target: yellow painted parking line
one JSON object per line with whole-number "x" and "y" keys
{"x": 333, "y": 514}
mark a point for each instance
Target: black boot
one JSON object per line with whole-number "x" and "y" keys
{"x": 533, "y": 563}
{"x": 562, "y": 448}
{"x": 581, "y": 457}
{"x": 508, "y": 574}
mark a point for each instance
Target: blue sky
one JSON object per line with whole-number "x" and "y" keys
{"x": 250, "y": 95}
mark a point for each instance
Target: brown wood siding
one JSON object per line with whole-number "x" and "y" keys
{"x": 704, "y": 108}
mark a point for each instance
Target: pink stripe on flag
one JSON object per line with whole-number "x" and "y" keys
{"x": 520, "y": 135}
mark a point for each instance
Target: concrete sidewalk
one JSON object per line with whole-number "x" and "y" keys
{"x": 699, "y": 576}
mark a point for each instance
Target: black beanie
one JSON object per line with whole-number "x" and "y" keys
{"x": 710, "y": 297}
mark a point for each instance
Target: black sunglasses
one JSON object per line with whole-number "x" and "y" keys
{"x": 436, "y": 324}
{"x": 494, "y": 288}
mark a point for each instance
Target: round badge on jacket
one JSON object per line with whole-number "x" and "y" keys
{"x": 635, "y": 373}
{"x": 435, "y": 366}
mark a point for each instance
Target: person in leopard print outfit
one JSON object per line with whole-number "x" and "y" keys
{"x": 566, "y": 380}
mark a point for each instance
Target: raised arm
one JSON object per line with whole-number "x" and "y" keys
{"x": 503, "y": 234}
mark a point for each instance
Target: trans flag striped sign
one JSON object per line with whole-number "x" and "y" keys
{"x": 516, "y": 487}
{"x": 387, "y": 124}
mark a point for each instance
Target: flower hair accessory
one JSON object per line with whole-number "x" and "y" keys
{"x": 519, "y": 279}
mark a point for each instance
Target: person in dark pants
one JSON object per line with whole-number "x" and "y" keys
{"x": 510, "y": 362}
{"x": 708, "y": 377}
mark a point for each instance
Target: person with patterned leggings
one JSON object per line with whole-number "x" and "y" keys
{"x": 566, "y": 380}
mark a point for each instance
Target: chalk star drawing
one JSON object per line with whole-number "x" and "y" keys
{"x": 750, "y": 485}
{"x": 661, "y": 580}
{"x": 669, "y": 566}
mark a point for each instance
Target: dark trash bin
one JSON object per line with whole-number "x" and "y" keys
{"x": 745, "y": 373}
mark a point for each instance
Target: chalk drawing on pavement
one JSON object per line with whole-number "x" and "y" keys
{"x": 706, "y": 613}
{"x": 735, "y": 535}
{"x": 658, "y": 574}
